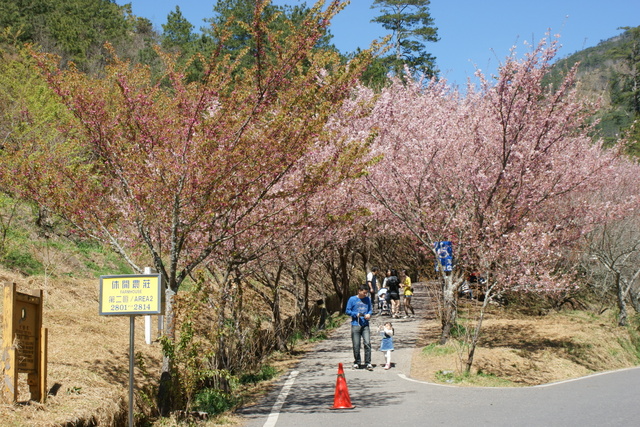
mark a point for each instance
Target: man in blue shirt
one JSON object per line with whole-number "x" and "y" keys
{"x": 359, "y": 308}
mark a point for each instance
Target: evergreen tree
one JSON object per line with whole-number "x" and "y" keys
{"x": 74, "y": 29}
{"x": 233, "y": 18}
{"x": 178, "y": 37}
{"x": 629, "y": 52}
{"x": 177, "y": 32}
{"x": 412, "y": 26}
{"x": 376, "y": 76}
{"x": 625, "y": 87}
{"x": 145, "y": 38}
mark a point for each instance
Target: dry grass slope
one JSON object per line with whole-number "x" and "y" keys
{"x": 88, "y": 358}
{"x": 531, "y": 350}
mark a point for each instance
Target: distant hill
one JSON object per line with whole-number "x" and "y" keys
{"x": 609, "y": 71}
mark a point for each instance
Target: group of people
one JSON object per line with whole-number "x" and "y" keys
{"x": 393, "y": 285}
{"x": 360, "y": 308}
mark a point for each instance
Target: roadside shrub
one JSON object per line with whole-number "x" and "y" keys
{"x": 213, "y": 401}
{"x": 266, "y": 373}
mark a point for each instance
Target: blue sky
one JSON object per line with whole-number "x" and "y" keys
{"x": 473, "y": 33}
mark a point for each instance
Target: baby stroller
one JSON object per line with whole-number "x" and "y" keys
{"x": 383, "y": 302}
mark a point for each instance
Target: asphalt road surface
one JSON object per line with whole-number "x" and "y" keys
{"x": 304, "y": 397}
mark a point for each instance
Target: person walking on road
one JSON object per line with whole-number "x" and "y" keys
{"x": 407, "y": 290}
{"x": 359, "y": 308}
{"x": 386, "y": 345}
{"x": 372, "y": 282}
{"x": 393, "y": 285}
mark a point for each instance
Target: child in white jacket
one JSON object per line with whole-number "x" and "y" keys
{"x": 387, "y": 342}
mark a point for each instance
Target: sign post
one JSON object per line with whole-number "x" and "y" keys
{"x": 444, "y": 260}
{"x": 24, "y": 348}
{"x": 131, "y": 295}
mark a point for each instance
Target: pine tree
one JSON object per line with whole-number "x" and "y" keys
{"x": 177, "y": 32}
{"x": 412, "y": 26}
{"x": 233, "y": 18}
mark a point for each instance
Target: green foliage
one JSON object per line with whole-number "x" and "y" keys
{"x": 412, "y": 26}
{"x": 490, "y": 379}
{"x": 376, "y": 76}
{"x": 266, "y": 373}
{"x": 319, "y": 336}
{"x": 633, "y": 344}
{"x": 178, "y": 38}
{"x": 459, "y": 331}
{"x": 16, "y": 259}
{"x": 8, "y": 209}
{"x": 334, "y": 322}
{"x": 197, "y": 379}
{"x": 295, "y": 337}
{"x": 446, "y": 376}
{"x": 74, "y": 390}
{"x": 438, "y": 350}
{"x": 74, "y": 29}
{"x": 17, "y": 247}
{"x": 613, "y": 66}
{"x": 214, "y": 401}
{"x": 628, "y": 51}
{"x": 230, "y": 28}
{"x": 29, "y": 106}
{"x": 20, "y": 251}
{"x": 478, "y": 379}
{"x": 109, "y": 261}
{"x": 178, "y": 31}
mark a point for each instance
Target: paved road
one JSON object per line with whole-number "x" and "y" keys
{"x": 391, "y": 398}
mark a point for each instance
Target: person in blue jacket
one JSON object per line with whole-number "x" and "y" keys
{"x": 359, "y": 307}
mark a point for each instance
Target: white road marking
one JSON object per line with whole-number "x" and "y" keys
{"x": 275, "y": 410}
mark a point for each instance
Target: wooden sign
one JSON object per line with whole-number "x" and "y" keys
{"x": 24, "y": 348}
{"x": 131, "y": 295}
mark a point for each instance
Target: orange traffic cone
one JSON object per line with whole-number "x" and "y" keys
{"x": 341, "y": 399}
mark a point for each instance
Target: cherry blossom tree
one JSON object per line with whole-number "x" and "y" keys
{"x": 168, "y": 170}
{"x": 305, "y": 235}
{"x": 505, "y": 173}
{"x": 614, "y": 245}
{"x": 177, "y": 166}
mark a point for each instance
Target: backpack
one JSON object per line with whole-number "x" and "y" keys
{"x": 393, "y": 284}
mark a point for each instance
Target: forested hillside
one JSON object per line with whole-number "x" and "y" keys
{"x": 610, "y": 71}
{"x": 78, "y": 29}
{"x": 262, "y": 174}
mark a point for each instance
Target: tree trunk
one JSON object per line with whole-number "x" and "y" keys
{"x": 450, "y": 306}
{"x": 622, "y": 300}
{"x": 476, "y": 333}
{"x": 277, "y": 320}
{"x": 344, "y": 277}
{"x": 165, "y": 387}
{"x": 307, "y": 310}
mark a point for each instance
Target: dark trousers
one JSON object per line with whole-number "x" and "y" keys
{"x": 361, "y": 333}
